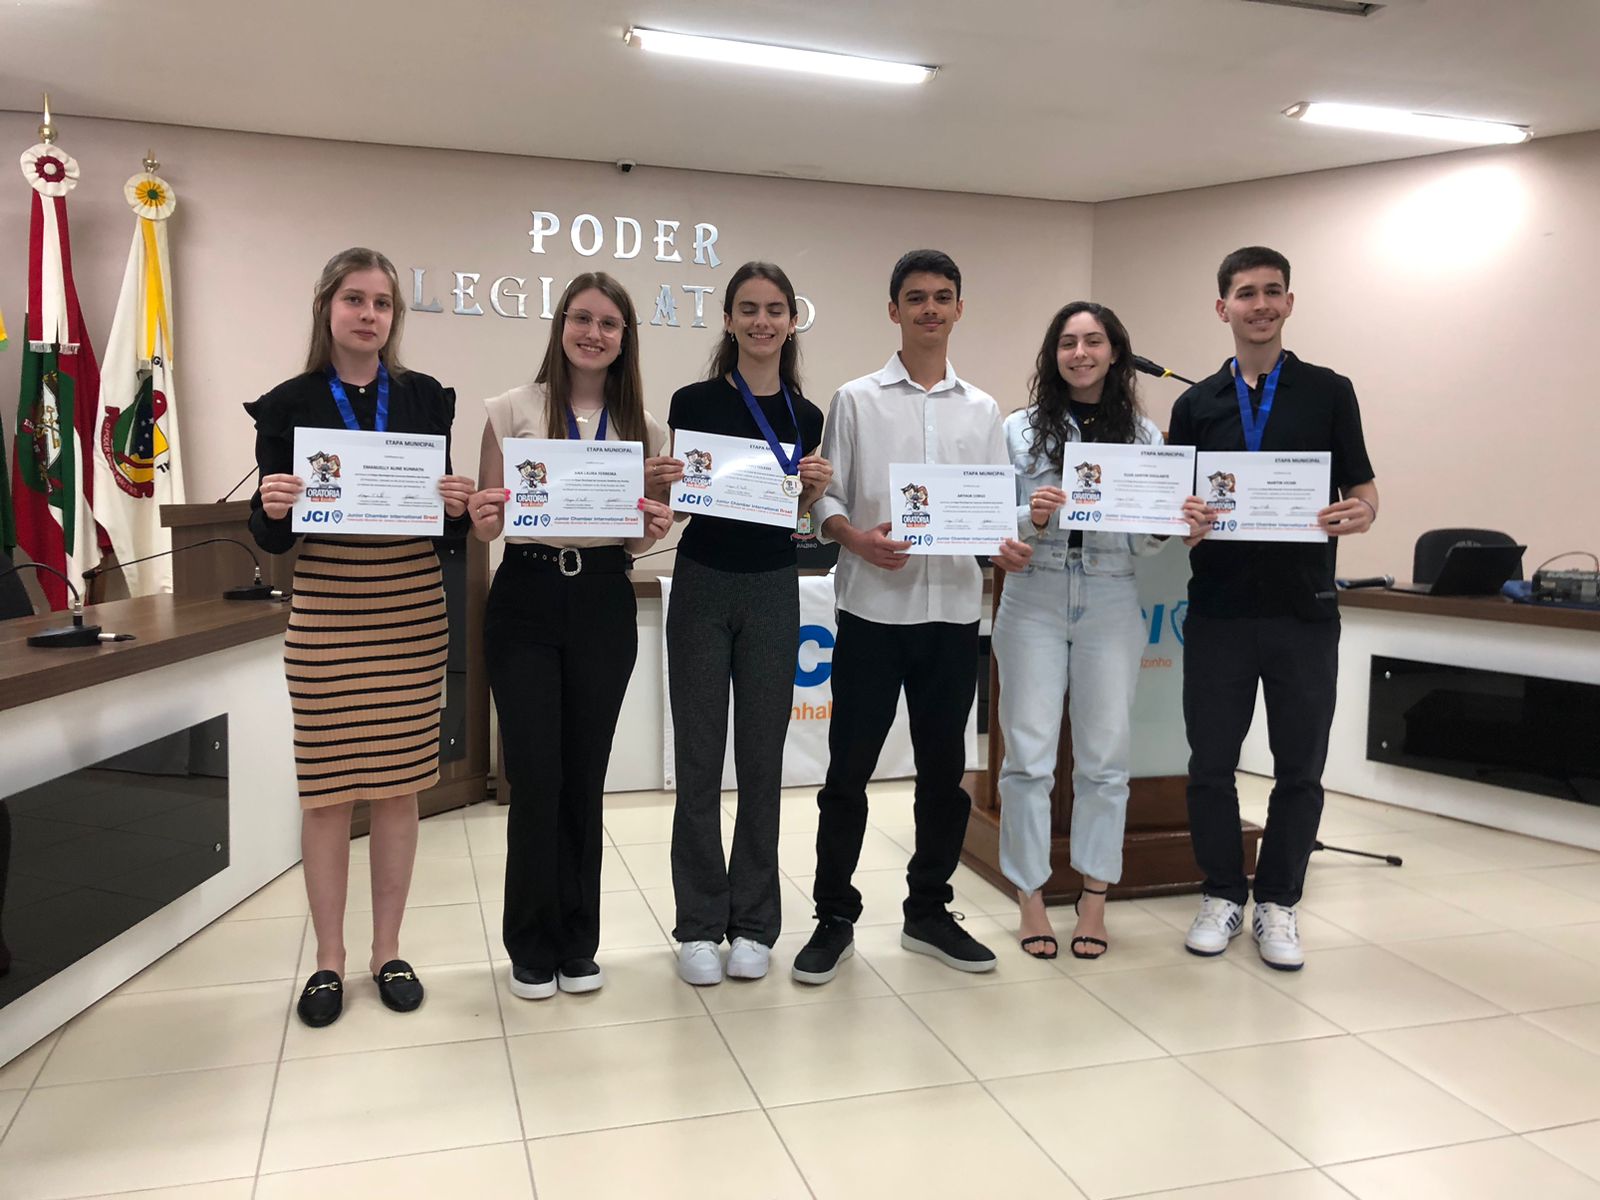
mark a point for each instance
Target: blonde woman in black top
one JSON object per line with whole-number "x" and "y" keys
{"x": 365, "y": 649}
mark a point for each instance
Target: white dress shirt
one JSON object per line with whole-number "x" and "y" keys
{"x": 887, "y": 418}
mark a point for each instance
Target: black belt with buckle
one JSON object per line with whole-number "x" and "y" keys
{"x": 571, "y": 560}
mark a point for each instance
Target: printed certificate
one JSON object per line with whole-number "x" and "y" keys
{"x": 731, "y": 477}
{"x": 1127, "y": 489}
{"x": 943, "y": 509}
{"x": 361, "y": 482}
{"x": 566, "y": 488}
{"x": 1266, "y": 496}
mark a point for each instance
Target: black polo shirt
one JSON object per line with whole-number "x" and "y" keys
{"x": 1313, "y": 409}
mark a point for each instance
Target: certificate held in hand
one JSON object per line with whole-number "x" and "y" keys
{"x": 1135, "y": 488}
{"x": 1266, "y": 496}
{"x": 568, "y": 488}
{"x": 737, "y": 478}
{"x": 369, "y": 483}
{"x": 943, "y": 509}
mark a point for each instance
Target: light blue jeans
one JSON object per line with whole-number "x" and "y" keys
{"x": 1070, "y": 637}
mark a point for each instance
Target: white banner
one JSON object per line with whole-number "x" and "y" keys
{"x": 805, "y": 755}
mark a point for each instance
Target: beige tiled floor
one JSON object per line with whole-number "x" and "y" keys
{"x": 1442, "y": 1042}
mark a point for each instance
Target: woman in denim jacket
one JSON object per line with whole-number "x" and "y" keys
{"x": 1069, "y": 628}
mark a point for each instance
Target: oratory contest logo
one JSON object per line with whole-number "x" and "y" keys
{"x": 1088, "y": 489}
{"x": 1223, "y": 485}
{"x": 533, "y": 493}
{"x": 324, "y": 471}
{"x": 697, "y": 469}
{"x": 916, "y": 514}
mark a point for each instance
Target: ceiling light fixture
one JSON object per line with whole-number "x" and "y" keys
{"x": 1394, "y": 120}
{"x": 776, "y": 58}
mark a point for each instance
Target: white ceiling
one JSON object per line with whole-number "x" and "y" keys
{"x": 1062, "y": 99}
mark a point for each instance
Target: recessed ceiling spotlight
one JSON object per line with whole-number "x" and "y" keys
{"x": 776, "y": 58}
{"x": 1394, "y": 120}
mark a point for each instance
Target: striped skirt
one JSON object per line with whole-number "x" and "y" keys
{"x": 365, "y": 659}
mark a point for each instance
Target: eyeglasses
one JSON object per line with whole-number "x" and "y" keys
{"x": 584, "y": 321}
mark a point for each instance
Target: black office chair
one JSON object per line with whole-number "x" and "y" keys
{"x": 14, "y": 600}
{"x": 1428, "y": 556}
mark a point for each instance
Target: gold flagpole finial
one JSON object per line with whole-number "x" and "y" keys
{"x": 151, "y": 164}
{"x": 47, "y": 131}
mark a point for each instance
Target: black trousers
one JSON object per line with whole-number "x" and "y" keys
{"x": 937, "y": 664}
{"x": 1297, "y": 664}
{"x": 741, "y": 628}
{"x": 561, "y": 650}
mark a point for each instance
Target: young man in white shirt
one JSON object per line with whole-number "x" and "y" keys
{"x": 904, "y": 621}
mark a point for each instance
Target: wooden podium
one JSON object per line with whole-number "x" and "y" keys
{"x": 206, "y": 571}
{"x": 1156, "y": 855}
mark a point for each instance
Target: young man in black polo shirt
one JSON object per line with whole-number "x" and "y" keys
{"x": 1264, "y": 611}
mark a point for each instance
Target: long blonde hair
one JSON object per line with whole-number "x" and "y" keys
{"x": 624, "y": 390}
{"x": 357, "y": 258}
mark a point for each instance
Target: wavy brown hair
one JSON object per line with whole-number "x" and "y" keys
{"x": 1048, "y": 395}
{"x": 358, "y": 258}
{"x": 624, "y": 389}
{"x": 726, "y": 356}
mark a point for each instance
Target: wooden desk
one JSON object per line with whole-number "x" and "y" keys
{"x": 1472, "y": 608}
{"x": 166, "y": 630}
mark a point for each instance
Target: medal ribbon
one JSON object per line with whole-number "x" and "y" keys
{"x": 789, "y": 463}
{"x": 348, "y": 414}
{"x": 572, "y": 425}
{"x": 1255, "y": 424}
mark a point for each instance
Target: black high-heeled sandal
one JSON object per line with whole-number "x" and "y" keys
{"x": 1088, "y": 941}
{"x": 1035, "y": 940}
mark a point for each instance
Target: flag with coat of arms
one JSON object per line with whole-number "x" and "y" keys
{"x": 52, "y": 478}
{"x": 136, "y": 451}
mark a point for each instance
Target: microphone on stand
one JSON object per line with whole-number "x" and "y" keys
{"x": 76, "y": 634}
{"x": 1140, "y": 363}
{"x": 257, "y": 589}
{"x": 236, "y": 487}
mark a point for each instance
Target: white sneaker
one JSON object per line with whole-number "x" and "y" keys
{"x": 1217, "y": 923}
{"x": 700, "y": 963}
{"x": 748, "y": 960}
{"x": 1277, "y": 937}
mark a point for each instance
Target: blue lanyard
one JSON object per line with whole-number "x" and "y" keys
{"x": 1255, "y": 424}
{"x": 381, "y": 422}
{"x": 789, "y": 463}
{"x": 572, "y": 426}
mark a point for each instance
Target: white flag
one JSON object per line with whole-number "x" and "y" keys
{"x": 136, "y": 458}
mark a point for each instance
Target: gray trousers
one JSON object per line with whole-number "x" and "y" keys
{"x": 727, "y": 626}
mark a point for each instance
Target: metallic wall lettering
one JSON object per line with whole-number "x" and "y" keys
{"x": 699, "y": 293}
{"x": 544, "y": 224}
{"x": 811, "y": 314}
{"x": 666, "y": 231}
{"x": 624, "y": 223}
{"x": 497, "y": 294}
{"x": 593, "y": 222}
{"x": 546, "y": 313}
{"x": 705, "y": 238}
{"x": 417, "y": 303}
{"x": 463, "y": 293}
{"x": 666, "y": 307}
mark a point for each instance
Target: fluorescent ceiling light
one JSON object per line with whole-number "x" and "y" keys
{"x": 777, "y": 58}
{"x": 1393, "y": 120}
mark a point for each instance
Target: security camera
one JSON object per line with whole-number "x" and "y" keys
{"x": 625, "y": 165}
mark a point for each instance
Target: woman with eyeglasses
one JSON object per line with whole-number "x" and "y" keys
{"x": 561, "y": 635}
{"x": 734, "y": 616}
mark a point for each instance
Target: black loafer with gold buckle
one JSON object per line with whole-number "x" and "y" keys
{"x": 398, "y": 986}
{"x": 322, "y": 1000}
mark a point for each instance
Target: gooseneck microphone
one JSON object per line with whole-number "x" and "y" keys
{"x": 76, "y": 634}
{"x": 236, "y": 487}
{"x": 1140, "y": 363}
{"x": 257, "y": 589}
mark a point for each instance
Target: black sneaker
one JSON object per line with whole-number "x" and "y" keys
{"x": 530, "y": 984}
{"x": 580, "y": 975}
{"x": 942, "y": 937}
{"x": 832, "y": 943}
